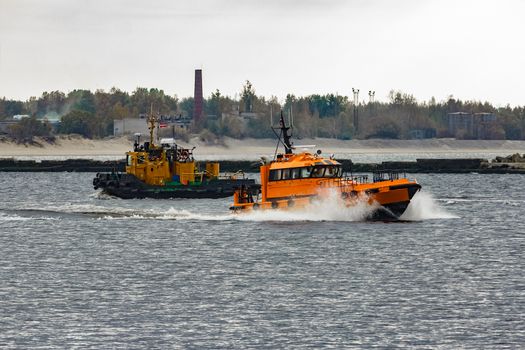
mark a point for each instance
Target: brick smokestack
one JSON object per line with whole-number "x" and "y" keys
{"x": 198, "y": 101}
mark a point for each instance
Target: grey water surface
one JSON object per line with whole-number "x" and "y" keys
{"x": 83, "y": 270}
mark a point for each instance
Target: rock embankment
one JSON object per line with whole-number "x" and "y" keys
{"x": 514, "y": 161}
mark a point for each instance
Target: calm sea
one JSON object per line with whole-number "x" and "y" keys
{"x": 82, "y": 270}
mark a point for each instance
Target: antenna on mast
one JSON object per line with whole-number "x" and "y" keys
{"x": 151, "y": 125}
{"x": 283, "y": 136}
{"x": 286, "y": 137}
{"x": 291, "y": 116}
{"x": 271, "y": 115}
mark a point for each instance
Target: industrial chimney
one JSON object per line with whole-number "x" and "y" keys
{"x": 198, "y": 101}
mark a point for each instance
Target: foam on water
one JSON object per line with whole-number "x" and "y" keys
{"x": 70, "y": 210}
{"x": 6, "y": 217}
{"x": 183, "y": 214}
{"x": 423, "y": 206}
{"x": 330, "y": 208}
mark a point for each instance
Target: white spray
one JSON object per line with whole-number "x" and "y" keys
{"x": 423, "y": 206}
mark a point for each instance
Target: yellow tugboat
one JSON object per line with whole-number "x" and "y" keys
{"x": 167, "y": 170}
{"x": 296, "y": 180}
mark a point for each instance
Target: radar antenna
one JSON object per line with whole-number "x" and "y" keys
{"x": 283, "y": 136}
{"x": 152, "y": 121}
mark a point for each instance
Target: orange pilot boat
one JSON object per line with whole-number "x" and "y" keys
{"x": 295, "y": 180}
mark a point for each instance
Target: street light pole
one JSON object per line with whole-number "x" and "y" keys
{"x": 371, "y": 96}
{"x": 356, "y": 115}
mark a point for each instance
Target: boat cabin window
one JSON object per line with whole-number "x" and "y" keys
{"x": 331, "y": 171}
{"x": 275, "y": 174}
{"x": 326, "y": 171}
{"x": 305, "y": 172}
{"x": 129, "y": 159}
{"x": 318, "y": 171}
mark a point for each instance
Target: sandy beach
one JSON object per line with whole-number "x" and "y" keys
{"x": 77, "y": 147}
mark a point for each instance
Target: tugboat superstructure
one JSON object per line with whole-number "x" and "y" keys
{"x": 166, "y": 170}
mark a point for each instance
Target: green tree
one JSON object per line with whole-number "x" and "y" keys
{"x": 329, "y": 105}
{"x": 9, "y": 108}
{"x": 78, "y": 122}
{"x": 50, "y": 102}
{"x": 248, "y": 97}
{"x": 142, "y": 100}
{"x": 187, "y": 105}
{"x": 213, "y": 104}
{"x": 81, "y": 100}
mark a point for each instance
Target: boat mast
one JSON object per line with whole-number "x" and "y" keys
{"x": 151, "y": 125}
{"x": 286, "y": 137}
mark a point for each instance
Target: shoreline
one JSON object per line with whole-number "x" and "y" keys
{"x": 75, "y": 147}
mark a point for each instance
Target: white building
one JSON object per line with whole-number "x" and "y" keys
{"x": 129, "y": 126}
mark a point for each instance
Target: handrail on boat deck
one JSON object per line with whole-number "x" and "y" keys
{"x": 386, "y": 176}
{"x": 234, "y": 175}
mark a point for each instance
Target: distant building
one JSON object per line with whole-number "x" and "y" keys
{"x": 464, "y": 125}
{"x": 6, "y": 124}
{"x": 178, "y": 121}
{"x": 20, "y": 116}
{"x": 129, "y": 126}
{"x": 484, "y": 122}
{"x": 52, "y": 120}
{"x": 460, "y": 124}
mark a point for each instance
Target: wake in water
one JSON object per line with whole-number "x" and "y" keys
{"x": 423, "y": 206}
{"x": 330, "y": 208}
{"x": 69, "y": 210}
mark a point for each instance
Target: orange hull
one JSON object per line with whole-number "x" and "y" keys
{"x": 392, "y": 197}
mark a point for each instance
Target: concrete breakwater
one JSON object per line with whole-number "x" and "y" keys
{"x": 465, "y": 165}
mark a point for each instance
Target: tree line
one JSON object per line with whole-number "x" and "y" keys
{"x": 91, "y": 114}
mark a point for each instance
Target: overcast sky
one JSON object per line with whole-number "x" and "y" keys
{"x": 470, "y": 49}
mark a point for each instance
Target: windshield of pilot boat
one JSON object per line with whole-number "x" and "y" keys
{"x": 306, "y": 172}
{"x": 326, "y": 171}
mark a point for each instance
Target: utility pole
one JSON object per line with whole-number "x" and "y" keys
{"x": 356, "y": 116}
{"x": 371, "y": 96}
